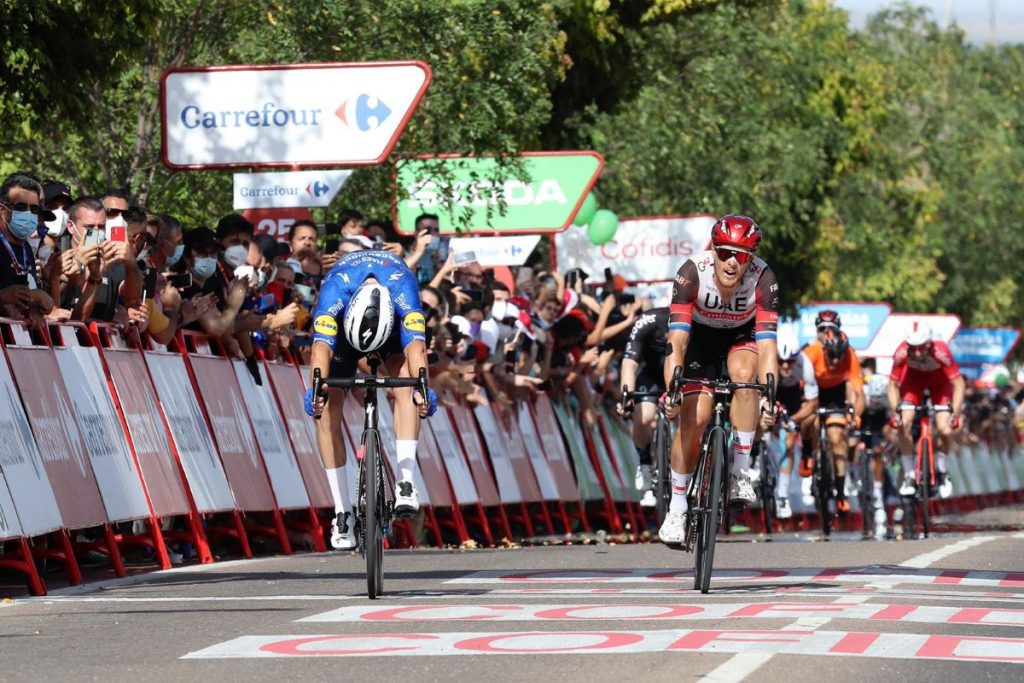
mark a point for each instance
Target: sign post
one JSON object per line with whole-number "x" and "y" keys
{"x": 544, "y": 200}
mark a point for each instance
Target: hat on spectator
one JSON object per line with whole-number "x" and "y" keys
{"x": 511, "y": 311}
{"x": 569, "y": 301}
{"x": 231, "y": 224}
{"x": 54, "y": 190}
{"x": 618, "y": 283}
{"x": 198, "y": 239}
{"x": 463, "y": 324}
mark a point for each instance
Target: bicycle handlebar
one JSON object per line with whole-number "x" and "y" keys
{"x": 722, "y": 386}
{"x": 367, "y": 381}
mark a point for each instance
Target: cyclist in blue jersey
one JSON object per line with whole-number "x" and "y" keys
{"x": 372, "y": 299}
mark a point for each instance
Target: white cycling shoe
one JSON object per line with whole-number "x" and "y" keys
{"x": 805, "y": 491}
{"x": 642, "y": 480}
{"x": 945, "y": 485}
{"x": 782, "y": 509}
{"x": 741, "y": 490}
{"x": 407, "y": 499}
{"x": 649, "y": 500}
{"x": 673, "y": 529}
{"x": 343, "y": 535}
{"x": 909, "y": 485}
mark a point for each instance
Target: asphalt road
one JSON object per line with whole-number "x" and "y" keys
{"x": 795, "y": 609}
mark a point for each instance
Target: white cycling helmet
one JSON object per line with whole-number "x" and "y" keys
{"x": 919, "y": 334}
{"x": 788, "y": 347}
{"x": 369, "y": 317}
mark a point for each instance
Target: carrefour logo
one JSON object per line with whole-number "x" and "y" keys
{"x": 364, "y": 112}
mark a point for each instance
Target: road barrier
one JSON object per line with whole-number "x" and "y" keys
{"x": 107, "y": 444}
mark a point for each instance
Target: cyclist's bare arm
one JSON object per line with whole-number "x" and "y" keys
{"x": 680, "y": 316}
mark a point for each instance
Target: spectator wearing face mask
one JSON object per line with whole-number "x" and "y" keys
{"x": 200, "y": 254}
{"x": 21, "y": 197}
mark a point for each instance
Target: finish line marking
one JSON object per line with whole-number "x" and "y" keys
{"x": 867, "y": 574}
{"x": 671, "y": 612}
{"x": 786, "y": 641}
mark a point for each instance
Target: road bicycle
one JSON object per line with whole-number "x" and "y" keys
{"x": 375, "y": 505}
{"x": 824, "y": 476}
{"x": 708, "y": 494}
{"x": 918, "y": 505}
{"x": 661, "y": 447}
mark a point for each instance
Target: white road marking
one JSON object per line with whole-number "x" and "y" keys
{"x": 928, "y": 559}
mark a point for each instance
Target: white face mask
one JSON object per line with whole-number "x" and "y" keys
{"x": 236, "y": 255}
{"x": 58, "y": 225}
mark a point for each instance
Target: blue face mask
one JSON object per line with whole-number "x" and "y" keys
{"x": 23, "y": 224}
{"x": 176, "y": 256}
{"x": 204, "y": 266}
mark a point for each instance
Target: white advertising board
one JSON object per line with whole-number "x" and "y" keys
{"x": 329, "y": 114}
{"x": 643, "y": 249}
{"x": 894, "y": 331}
{"x": 288, "y": 190}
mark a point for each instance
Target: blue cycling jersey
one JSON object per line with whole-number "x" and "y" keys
{"x": 342, "y": 281}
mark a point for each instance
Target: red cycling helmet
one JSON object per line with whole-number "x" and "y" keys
{"x": 828, "y": 317}
{"x": 740, "y": 232}
{"x": 836, "y": 344}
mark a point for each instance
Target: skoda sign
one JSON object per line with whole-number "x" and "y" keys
{"x": 291, "y": 115}
{"x": 544, "y": 199}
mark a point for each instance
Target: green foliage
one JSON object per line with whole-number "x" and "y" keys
{"x": 884, "y": 164}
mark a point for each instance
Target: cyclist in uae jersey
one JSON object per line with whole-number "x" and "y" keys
{"x": 643, "y": 371}
{"x": 373, "y": 299}
{"x": 922, "y": 364}
{"x": 840, "y": 384}
{"x": 724, "y": 310}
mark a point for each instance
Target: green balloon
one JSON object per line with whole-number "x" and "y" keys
{"x": 602, "y": 227}
{"x": 587, "y": 209}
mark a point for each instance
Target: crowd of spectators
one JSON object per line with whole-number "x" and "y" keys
{"x": 490, "y": 339}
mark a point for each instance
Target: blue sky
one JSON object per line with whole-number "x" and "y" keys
{"x": 973, "y": 16}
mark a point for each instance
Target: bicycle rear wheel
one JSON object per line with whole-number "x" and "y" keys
{"x": 712, "y": 516}
{"x": 374, "y": 518}
{"x": 663, "y": 485}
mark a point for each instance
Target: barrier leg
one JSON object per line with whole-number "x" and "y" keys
{"x": 199, "y": 538}
{"x": 159, "y": 547}
{"x": 434, "y": 527}
{"x": 243, "y": 539}
{"x": 23, "y": 562}
{"x": 563, "y": 518}
{"x": 74, "y": 574}
{"x": 482, "y": 523}
{"x": 316, "y": 531}
{"x": 114, "y": 551}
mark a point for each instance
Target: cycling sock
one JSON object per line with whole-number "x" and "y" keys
{"x": 338, "y": 482}
{"x": 940, "y": 462}
{"x": 783, "y": 487}
{"x": 680, "y": 482}
{"x": 908, "y": 464}
{"x": 878, "y": 489}
{"x": 742, "y": 442}
{"x": 406, "y": 457}
{"x": 806, "y": 448}
{"x": 644, "y": 452}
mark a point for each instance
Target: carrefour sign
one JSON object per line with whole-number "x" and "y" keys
{"x": 544, "y": 198}
{"x": 292, "y": 115}
{"x": 287, "y": 190}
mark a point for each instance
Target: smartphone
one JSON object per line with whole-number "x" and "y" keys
{"x": 331, "y": 245}
{"x": 92, "y": 238}
{"x": 463, "y": 257}
{"x": 302, "y": 340}
{"x": 474, "y": 294}
{"x": 261, "y": 304}
{"x": 119, "y": 233}
{"x": 182, "y": 281}
{"x": 306, "y": 292}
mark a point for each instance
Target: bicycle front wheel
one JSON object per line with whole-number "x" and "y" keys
{"x": 925, "y": 485}
{"x": 663, "y": 486}
{"x": 824, "y": 476}
{"x": 766, "y": 488}
{"x": 712, "y": 515}
{"x": 374, "y": 518}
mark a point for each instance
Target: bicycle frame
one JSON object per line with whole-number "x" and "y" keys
{"x": 924, "y": 464}
{"x": 824, "y": 468}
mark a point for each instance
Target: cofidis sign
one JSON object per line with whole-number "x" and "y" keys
{"x": 291, "y": 115}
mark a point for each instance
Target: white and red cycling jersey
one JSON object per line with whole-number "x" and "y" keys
{"x": 934, "y": 370}
{"x": 696, "y": 298}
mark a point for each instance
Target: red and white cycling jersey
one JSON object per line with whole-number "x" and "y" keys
{"x": 696, "y": 298}
{"x": 938, "y": 360}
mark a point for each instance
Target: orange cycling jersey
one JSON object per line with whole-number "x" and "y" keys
{"x": 847, "y": 369}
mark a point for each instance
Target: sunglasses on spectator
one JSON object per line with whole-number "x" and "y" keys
{"x": 113, "y": 213}
{"x": 22, "y": 206}
{"x": 724, "y": 254}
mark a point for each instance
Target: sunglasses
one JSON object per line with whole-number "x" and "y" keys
{"x": 724, "y": 254}
{"x": 826, "y": 327}
{"x": 22, "y": 206}
{"x": 113, "y": 213}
